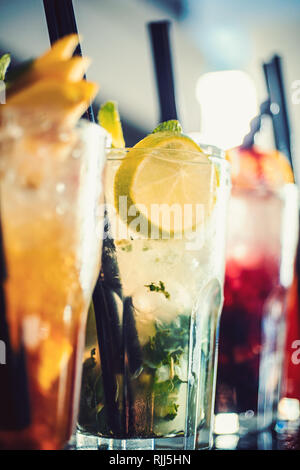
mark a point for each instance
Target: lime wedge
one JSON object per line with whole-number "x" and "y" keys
{"x": 109, "y": 118}
{"x": 4, "y": 64}
{"x": 166, "y": 170}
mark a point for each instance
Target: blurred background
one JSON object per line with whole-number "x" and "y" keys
{"x": 209, "y": 38}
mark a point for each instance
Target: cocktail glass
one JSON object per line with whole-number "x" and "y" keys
{"x": 262, "y": 240}
{"x": 51, "y": 189}
{"x": 150, "y": 383}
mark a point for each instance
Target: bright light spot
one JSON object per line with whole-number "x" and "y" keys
{"x": 275, "y": 108}
{"x": 289, "y": 238}
{"x": 289, "y": 409}
{"x": 229, "y": 442}
{"x": 240, "y": 252}
{"x": 226, "y": 423}
{"x": 67, "y": 314}
{"x": 249, "y": 414}
{"x": 60, "y": 187}
{"x": 228, "y": 103}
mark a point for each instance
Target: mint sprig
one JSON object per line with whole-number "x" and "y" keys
{"x": 169, "y": 126}
{"x": 166, "y": 348}
{"x": 158, "y": 288}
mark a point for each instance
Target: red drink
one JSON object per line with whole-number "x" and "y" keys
{"x": 289, "y": 408}
{"x": 249, "y": 283}
{"x": 262, "y": 240}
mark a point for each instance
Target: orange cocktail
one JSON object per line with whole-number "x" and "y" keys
{"x": 52, "y": 265}
{"x": 50, "y": 168}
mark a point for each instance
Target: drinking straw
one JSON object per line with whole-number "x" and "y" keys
{"x": 125, "y": 354}
{"x": 108, "y": 328}
{"x": 108, "y": 347}
{"x": 278, "y": 107}
{"x": 255, "y": 125}
{"x": 61, "y": 21}
{"x": 133, "y": 347}
{"x": 14, "y": 393}
{"x": 133, "y": 362}
{"x": 161, "y": 52}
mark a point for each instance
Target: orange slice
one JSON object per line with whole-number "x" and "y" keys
{"x": 53, "y": 85}
{"x": 72, "y": 70}
{"x": 67, "y": 101}
{"x": 255, "y": 167}
{"x": 62, "y": 49}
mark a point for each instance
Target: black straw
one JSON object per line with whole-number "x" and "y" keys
{"x": 278, "y": 107}
{"x": 109, "y": 347}
{"x": 61, "y": 21}
{"x": 255, "y": 125}
{"x": 162, "y": 57}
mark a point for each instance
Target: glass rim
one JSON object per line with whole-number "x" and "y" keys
{"x": 119, "y": 154}
{"x": 262, "y": 190}
{"x": 12, "y": 128}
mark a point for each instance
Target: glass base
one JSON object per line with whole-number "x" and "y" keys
{"x": 91, "y": 442}
{"x": 242, "y": 423}
{"x": 255, "y": 423}
{"x": 252, "y": 441}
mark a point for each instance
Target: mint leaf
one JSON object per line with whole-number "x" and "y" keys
{"x": 165, "y": 398}
{"x": 168, "y": 343}
{"x": 169, "y": 126}
{"x": 166, "y": 347}
{"x": 158, "y": 288}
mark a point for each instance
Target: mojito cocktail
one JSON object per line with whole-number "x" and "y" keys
{"x": 149, "y": 369}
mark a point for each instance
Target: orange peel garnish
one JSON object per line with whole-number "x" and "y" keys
{"x": 254, "y": 167}
{"x": 62, "y": 49}
{"x": 54, "y": 84}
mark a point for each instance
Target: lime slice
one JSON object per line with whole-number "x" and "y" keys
{"x": 169, "y": 185}
{"x": 167, "y": 140}
{"x": 109, "y": 118}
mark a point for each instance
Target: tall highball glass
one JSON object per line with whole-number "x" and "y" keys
{"x": 262, "y": 241}
{"x": 150, "y": 359}
{"x": 51, "y": 190}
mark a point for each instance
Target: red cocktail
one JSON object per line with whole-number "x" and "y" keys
{"x": 262, "y": 238}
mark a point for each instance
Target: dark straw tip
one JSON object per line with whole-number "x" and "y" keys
{"x": 61, "y": 21}
{"x": 278, "y": 107}
{"x": 162, "y": 57}
{"x": 161, "y": 25}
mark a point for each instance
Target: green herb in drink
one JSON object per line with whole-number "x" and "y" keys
{"x": 158, "y": 288}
